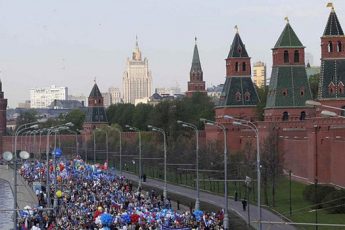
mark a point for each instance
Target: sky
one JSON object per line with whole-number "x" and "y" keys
{"x": 72, "y": 42}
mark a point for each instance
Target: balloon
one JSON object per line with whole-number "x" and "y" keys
{"x": 100, "y": 209}
{"x": 58, "y": 193}
{"x": 106, "y": 219}
{"x": 59, "y": 178}
{"x": 57, "y": 152}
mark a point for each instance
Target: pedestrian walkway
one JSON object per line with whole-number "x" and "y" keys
{"x": 235, "y": 206}
{"x": 25, "y": 194}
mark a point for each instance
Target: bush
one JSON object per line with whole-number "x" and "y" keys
{"x": 335, "y": 202}
{"x": 322, "y": 192}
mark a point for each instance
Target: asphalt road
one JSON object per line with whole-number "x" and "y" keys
{"x": 235, "y": 206}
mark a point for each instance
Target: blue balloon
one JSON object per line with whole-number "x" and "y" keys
{"x": 106, "y": 219}
{"x": 57, "y": 152}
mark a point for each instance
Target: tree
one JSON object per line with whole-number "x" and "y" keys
{"x": 120, "y": 114}
{"x": 77, "y": 117}
{"x": 314, "y": 84}
{"x": 141, "y": 116}
{"x": 271, "y": 161}
{"x": 262, "y": 93}
{"x": 26, "y": 117}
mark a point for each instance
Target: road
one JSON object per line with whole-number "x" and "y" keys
{"x": 235, "y": 206}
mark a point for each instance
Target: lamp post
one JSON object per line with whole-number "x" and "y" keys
{"x": 106, "y": 143}
{"x": 49, "y": 131}
{"x": 195, "y": 128}
{"x": 255, "y": 129}
{"x": 224, "y": 129}
{"x": 94, "y": 146}
{"x": 120, "y": 140}
{"x": 40, "y": 141}
{"x": 165, "y": 157}
{"x": 34, "y": 149}
{"x": 18, "y": 131}
{"x": 76, "y": 140}
{"x": 139, "y": 137}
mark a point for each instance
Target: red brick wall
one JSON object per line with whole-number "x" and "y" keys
{"x": 334, "y": 41}
{"x": 299, "y": 144}
{"x": 278, "y": 56}
{"x": 231, "y": 67}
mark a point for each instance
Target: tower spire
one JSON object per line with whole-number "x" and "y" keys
{"x": 330, "y": 5}
{"x": 287, "y": 19}
{"x": 236, "y": 29}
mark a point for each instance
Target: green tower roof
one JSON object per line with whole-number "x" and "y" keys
{"x": 95, "y": 92}
{"x": 333, "y": 27}
{"x": 288, "y": 38}
{"x": 237, "y": 49}
{"x": 196, "y": 65}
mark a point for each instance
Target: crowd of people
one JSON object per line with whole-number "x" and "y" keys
{"x": 91, "y": 197}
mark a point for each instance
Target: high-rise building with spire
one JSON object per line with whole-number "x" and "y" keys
{"x": 239, "y": 96}
{"x": 332, "y": 77}
{"x": 196, "y": 82}
{"x": 137, "y": 80}
{"x": 289, "y": 87}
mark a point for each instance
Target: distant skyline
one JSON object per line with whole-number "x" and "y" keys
{"x": 69, "y": 43}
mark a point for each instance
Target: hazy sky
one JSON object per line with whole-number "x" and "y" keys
{"x": 70, "y": 42}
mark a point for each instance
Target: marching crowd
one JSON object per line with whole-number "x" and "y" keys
{"x": 89, "y": 197}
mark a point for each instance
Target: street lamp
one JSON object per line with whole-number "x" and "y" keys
{"x": 120, "y": 140}
{"x": 76, "y": 140}
{"x": 106, "y": 142}
{"x": 326, "y": 113}
{"x": 195, "y": 128}
{"x": 224, "y": 129}
{"x": 139, "y": 137}
{"x": 94, "y": 146}
{"x": 20, "y": 129}
{"x": 165, "y": 157}
{"x": 49, "y": 131}
{"x": 253, "y": 127}
{"x": 316, "y": 103}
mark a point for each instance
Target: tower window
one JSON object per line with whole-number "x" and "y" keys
{"x": 247, "y": 96}
{"x": 285, "y": 92}
{"x": 341, "y": 87}
{"x": 286, "y": 56}
{"x": 330, "y": 47}
{"x": 296, "y": 56}
{"x": 243, "y": 66}
{"x": 302, "y": 91}
{"x": 238, "y": 96}
{"x": 302, "y": 116}
{"x": 285, "y": 116}
{"x": 331, "y": 88}
{"x": 237, "y": 68}
{"x": 339, "y": 47}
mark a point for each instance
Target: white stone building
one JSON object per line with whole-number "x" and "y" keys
{"x": 115, "y": 95}
{"x": 43, "y": 97}
{"x": 137, "y": 80}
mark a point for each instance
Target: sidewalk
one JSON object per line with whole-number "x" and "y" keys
{"x": 25, "y": 194}
{"x": 235, "y": 206}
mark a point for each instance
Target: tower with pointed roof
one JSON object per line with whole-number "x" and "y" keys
{"x": 289, "y": 87}
{"x": 239, "y": 96}
{"x": 332, "y": 77}
{"x": 95, "y": 116}
{"x": 137, "y": 80}
{"x": 196, "y": 82}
